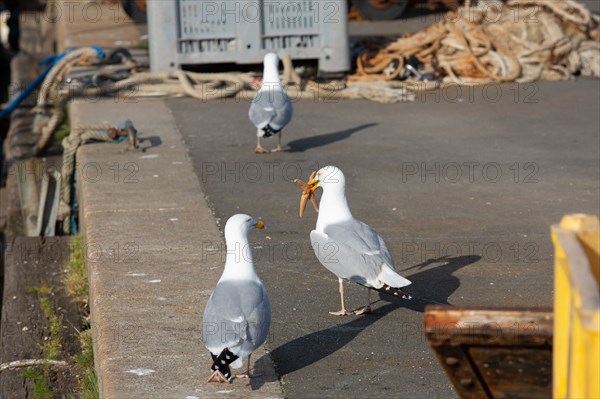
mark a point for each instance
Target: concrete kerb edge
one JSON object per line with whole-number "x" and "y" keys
{"x": 77, "y": 111}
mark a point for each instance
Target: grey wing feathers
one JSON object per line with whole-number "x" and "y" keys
{"x": 362, "y": 238}
{"x": 385, "y": 252}
{"x": 354, "y": 251}
{"x": 271, "y": 107}
{"x": 237, "y": 316}
{"x": 344, "y": 261}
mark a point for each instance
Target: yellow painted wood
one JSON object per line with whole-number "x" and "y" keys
{"x": 576, "y": 343}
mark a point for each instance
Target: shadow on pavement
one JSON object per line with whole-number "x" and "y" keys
{"x": 261, "y": 364}
{"x": 431, "y": 286}
{"x": 307, "y": 143}
{"x": 311, "y": 348}
{"x": 149, "y": 142}
{"x": 435, "y": 285}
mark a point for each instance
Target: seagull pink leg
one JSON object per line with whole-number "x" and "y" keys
{"x": 343, "y": 311}
{"x": 366, "y": 309}
{"x": 259, "y": 148}
{"x": 279, "y": 148}
{"x": 247, "y": 373}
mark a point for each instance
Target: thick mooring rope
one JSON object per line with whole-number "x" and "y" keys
{"x": 521, "y": 40}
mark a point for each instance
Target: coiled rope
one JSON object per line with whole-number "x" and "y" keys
{"x": 521, "y": 40}
{"x": 78, "y": 137}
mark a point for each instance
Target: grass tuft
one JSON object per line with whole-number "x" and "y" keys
{"x": 76, "y": 282}
{"x": 41, "y": 389}
{"x": 86, "y": 358}
{"x": 76, "y": 285}
{"x": 88, "y": 381}
{"x": 51, "y": 347}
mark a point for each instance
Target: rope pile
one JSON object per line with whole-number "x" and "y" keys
{"x": 48, "y": 116}
{"x": 214, "y": 86}
{"x": 54, "y": 95}
{"x": 228, "y": 85}
{"x": 77, "y": 138}
{"x": 520, "y": 40}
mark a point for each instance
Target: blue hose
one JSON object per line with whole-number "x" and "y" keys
{"x": 25, "y": 93}
{"x": 74, "y": 228}
{"x": 49, "y": 62}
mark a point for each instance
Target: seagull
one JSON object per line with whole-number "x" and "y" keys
{"x": 271, "y": 109}
{"x": 349, "y": 248}
{"x": 238, "y": 313}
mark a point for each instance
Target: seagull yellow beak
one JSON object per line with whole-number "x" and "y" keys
{"x": 259, "y": 225}
{"x": 313, "y": 183}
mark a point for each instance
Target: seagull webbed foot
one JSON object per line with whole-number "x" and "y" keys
{"x": 278, "y": 149}
{"x": 365, "y": 310}
{"x": 342, "y": 312}
{"x": 261, "y": 150}
{"x": 217, "y": 376}
{"x": 248, "y": 375}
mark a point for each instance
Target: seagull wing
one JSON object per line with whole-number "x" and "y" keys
{"x": 271, "y": 107}
{"x": 354, "y": 251}
{"x": 237, "y": 316}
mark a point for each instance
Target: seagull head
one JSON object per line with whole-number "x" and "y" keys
{"x": 329, "y": 178}
{"x": 271, "y": 59}
{"x": 241, "y": 223}
{"x": 271, "y": 69}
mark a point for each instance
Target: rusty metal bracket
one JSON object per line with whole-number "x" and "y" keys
{"x": 493, "y": 353}
{"x": 125, "y": 129}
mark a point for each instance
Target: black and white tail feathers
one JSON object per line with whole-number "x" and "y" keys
{"x": 397, "y": 292}
{"x": 222, "y": 362}
{"x": 269, "y": 131}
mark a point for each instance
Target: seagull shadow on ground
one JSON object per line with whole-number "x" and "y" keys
{"x": 434, "y": 285}
{"x": 311, "y": 348}
{"x": 431, "y": 286}
{"x": 306, "y": 143}
{"x": 263, "y": 363}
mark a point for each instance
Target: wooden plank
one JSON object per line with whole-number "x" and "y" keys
{"x": 30, "y": 262}
{"x": 493, "y": 353}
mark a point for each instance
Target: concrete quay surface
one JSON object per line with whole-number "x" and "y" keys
{"x": 146, "y": 225}
{"x": 463, "y": 190}
{"x": 147, "y": 230}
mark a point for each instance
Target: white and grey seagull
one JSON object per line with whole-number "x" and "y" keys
{"x": 238, "y": 313}
{"x": 271, "y": 110}
{"x": 349, "y": 248}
